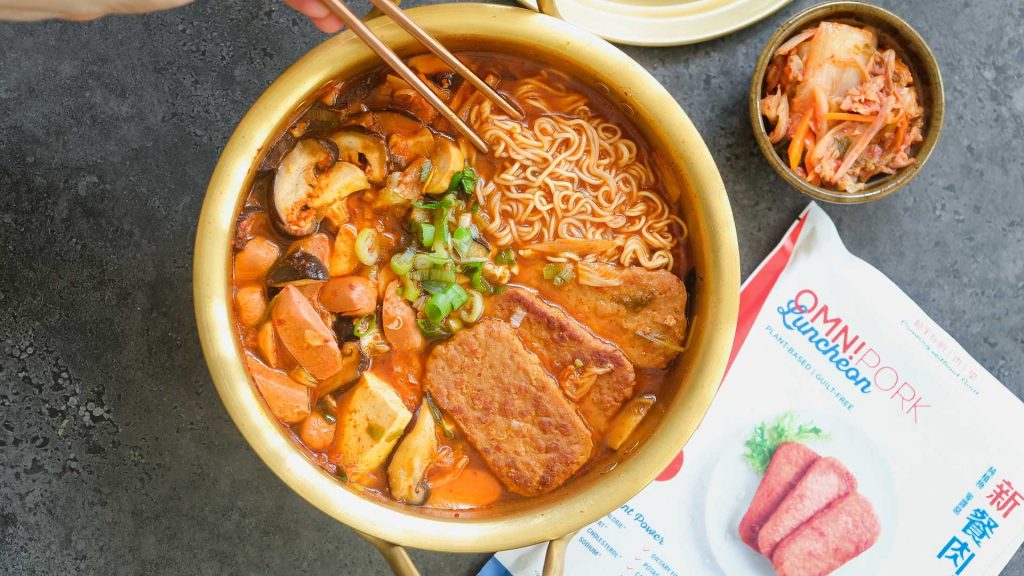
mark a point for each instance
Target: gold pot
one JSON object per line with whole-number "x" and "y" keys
{"x": 704, "y": 205}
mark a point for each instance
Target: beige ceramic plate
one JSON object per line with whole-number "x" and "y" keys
{"x": 662, "y": 22}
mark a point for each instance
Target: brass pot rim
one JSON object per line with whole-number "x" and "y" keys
{"x": 925, "y": 68}
{"x": 533, "y": 35}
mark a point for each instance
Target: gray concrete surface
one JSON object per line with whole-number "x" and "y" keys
{"x": 116, "y": 456}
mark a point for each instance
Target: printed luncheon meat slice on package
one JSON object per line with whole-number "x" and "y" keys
{"x": 788, "y": 466}
{"x": 851, "y": 436}
{"x": 825, "y": 481}
{"x": 833, "y": 537}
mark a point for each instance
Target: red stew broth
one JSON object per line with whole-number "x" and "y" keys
{"x": 404, "y": 371}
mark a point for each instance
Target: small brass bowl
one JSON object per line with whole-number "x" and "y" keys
{"x": 894, "y": 33}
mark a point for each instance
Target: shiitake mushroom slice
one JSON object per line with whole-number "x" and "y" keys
{"x": 294, "y": 180}
{"x": 251, "y": 221}
{"x": 353, "y": 364}
{"x": 386, "y": 122}
{"x": 446, "y": 160}
{"x": 345, "y": 329}
{"x": 317, "y": 120}
{"x": 407, "y": 146}
{"x": 297, "y": 269}
{"x": 364, "y": 149}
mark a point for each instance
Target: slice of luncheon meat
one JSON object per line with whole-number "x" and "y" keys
{"x": 788, "y": 465}
{"x": 593, "y": 373}
{"x": 825, "y": 481}
{"x": 508, "y": 407}
{"x": 644, "y": 313}
{"x": 832, "y": 538}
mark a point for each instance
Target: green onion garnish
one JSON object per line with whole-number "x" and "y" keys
{"x": 427, "y": 234}
{"x": 559, "y": 274}
{"x": 442, "y": 236}
{"x": 401, "y": 263}
{"x": 462, "y": 240}
{"x": 366, "y": 246}
{"x": 446, "y": 275}
{"x": 475, "y": 272}
{"x": 433, "y": 286}
{"x": 425, "y": 261}
{"x": 364, "y": 325}
{"x": 441, "y": 304}
{"x": 410, "y": 289}
{"x": 445, "y": 202}
{"x": 464, "y": 181}
{"x": 425, "y": 171}
{"x": 506, "y": 257}
{"x": 432, "y": 331}
{"x": 475, "y": 310}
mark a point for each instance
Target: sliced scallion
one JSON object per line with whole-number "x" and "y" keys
{"x": 402, "y": 262}
{"x": 442, "y": 236}
{"x": 462, "y": 240}
{"x": 427, "y": 234}
{"x": 433, "y": 286}
{"x": 432, "y": 331}
{"x": 366, "y": 246}
{"x": 426, "y": 261}
{"x": 443, "y": 303}
{"x": 364, "y": 325}
{"x": 506, "y": 257}
{"x": 559, "y": 274}
{"x": 339, "y": 472}
{"x": 475, "y": 272}
{"x": 475, "y": 310}
{"x": 410, "y": 289}
{"x": 446, "y": 275}
{"x": 442, "y": 203}
{"x": 464, "y": 181}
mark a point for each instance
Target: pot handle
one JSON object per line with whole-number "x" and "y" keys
{"x": 396, "y": 556}
{"x": 554, "y": 559}
{"x": 401, "y": 565}
{"x": 548, "y": 7}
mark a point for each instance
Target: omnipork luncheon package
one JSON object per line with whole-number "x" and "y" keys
{"x": 851, "y": 435}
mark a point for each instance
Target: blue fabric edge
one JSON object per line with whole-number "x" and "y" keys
{"x": 494, "y": 567}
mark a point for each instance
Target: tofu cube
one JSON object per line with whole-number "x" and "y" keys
{"x": 370, "y": 422}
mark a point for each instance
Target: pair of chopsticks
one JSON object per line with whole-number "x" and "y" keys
{"x": 391, "y": 59}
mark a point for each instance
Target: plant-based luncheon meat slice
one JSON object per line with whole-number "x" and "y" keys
{"x": 508, "y": 407}
{"x": 592, "y": 372}
{"x": 644, "y": 313}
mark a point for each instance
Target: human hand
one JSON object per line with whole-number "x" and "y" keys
{"x": 321, "y": 16}
{"x": 79, "y": 9}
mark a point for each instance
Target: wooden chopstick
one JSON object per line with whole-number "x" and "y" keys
{"x": 391, "y": 59}
{"x": 389, "y": 8}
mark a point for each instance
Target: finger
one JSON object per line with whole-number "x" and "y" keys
{"x": 83, "y": 17}
{"x": 18, "y": 15}
{"x": 315, "y": 9}
{"x": 329, "y": 24}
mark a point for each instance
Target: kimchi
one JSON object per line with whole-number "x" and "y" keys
{"x": 846, "y": 109}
